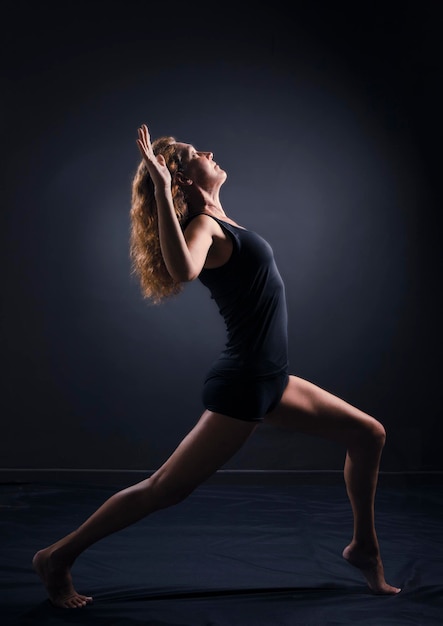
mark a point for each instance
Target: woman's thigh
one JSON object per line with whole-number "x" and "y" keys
{"x": 205, "y": 449}
{"x": 307, "y": 408}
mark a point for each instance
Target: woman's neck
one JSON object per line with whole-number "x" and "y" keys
{"x": 204, "y": 201}
{"x": 213, "y": 208}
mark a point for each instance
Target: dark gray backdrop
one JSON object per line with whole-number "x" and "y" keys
{"x": 327, "y": 120}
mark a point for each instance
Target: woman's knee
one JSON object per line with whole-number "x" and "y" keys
{"x": 372, "y": 432}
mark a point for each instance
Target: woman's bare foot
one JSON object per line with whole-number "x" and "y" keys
{"x": 372, "y": 569}
{"x": 58, "y": 582}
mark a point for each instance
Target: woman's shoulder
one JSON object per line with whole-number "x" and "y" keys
{"x": 203, "y": 223}
{"x": 196, "y": 220}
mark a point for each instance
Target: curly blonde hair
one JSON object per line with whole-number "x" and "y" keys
{"x": 144, "y": 247}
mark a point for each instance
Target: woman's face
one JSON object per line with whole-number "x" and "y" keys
{"x": 200, "y": 166}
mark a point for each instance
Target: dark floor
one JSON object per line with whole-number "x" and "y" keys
{"x": 230, "y": 555}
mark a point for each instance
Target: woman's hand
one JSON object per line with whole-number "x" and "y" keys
{"x": 161, "y": 177}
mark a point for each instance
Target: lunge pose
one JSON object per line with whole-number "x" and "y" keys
{"x": 180, "y": 232}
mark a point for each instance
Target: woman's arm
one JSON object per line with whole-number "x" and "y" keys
{"x": 184, "y": 258}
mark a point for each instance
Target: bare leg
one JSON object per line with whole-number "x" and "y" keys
{"x": 307, "y": 408}
{"x": 208, "y": 446}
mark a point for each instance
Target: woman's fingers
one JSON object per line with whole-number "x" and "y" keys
{"x": 145, "y": 132}
{"x": 141, "y": 147}
{"x": 156, "y": 164}
{"x": 145, "y": 136}
{"x": 144, "y": 143}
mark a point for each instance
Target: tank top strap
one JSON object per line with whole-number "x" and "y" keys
{"x": 189, "y": 219}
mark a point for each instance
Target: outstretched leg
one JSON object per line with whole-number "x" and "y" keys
{"x": 209, "y": 445}
{"x": 306, "y": 408}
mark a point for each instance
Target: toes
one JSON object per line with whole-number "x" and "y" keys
{"x": 76, "y": 602}
{"x": 87, "y": 599}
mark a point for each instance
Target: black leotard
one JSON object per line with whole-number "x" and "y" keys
{"x": 250, "y": 295}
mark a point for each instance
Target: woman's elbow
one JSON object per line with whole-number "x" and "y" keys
{"x": 185, "y": 275}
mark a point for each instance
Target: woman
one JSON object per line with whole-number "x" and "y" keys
{"x": 180, "y": 232}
